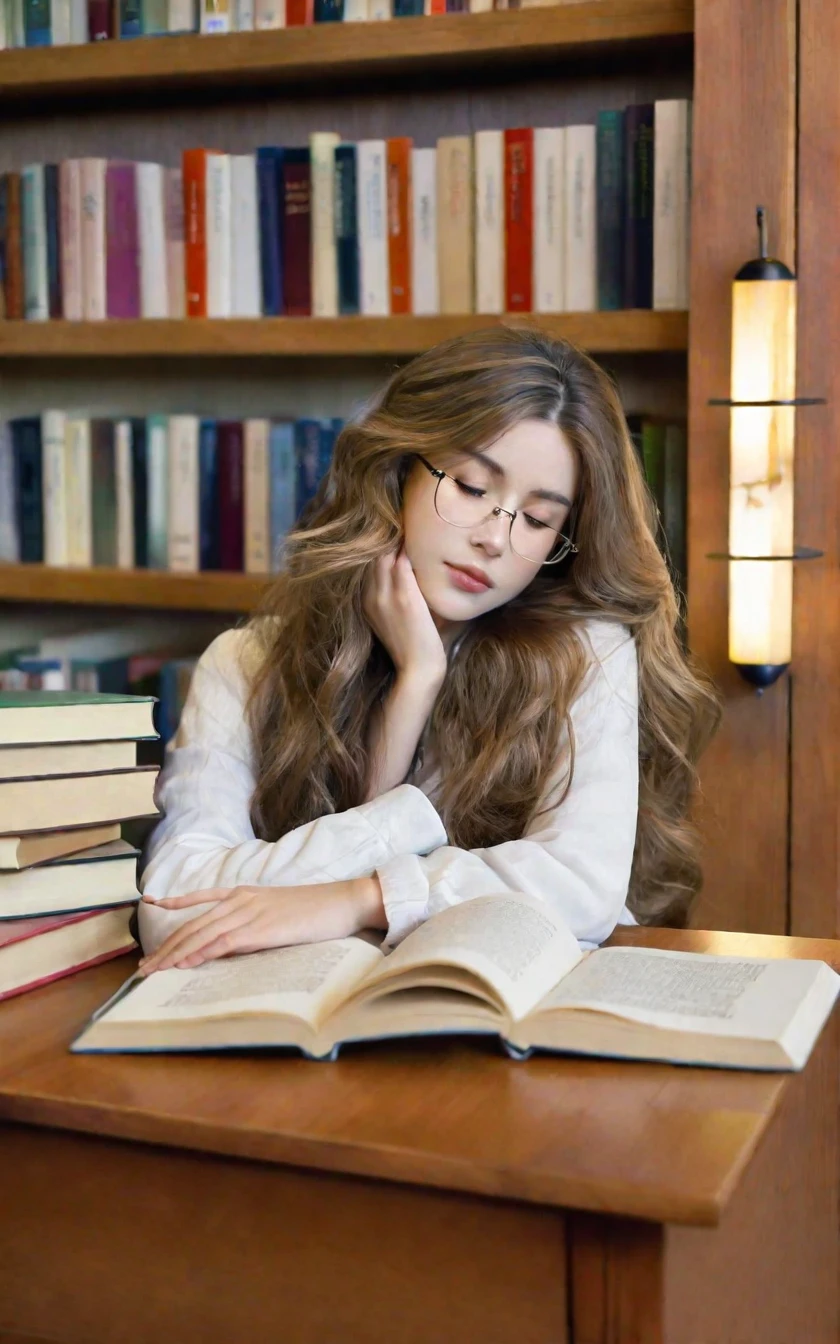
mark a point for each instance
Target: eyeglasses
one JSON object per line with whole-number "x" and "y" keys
{"x": 533, "y": 539}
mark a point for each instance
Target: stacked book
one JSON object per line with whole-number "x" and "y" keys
{"x": 167, "y": 492}
{"x": 548, "y": 220}
{"x": 68, "y": 882}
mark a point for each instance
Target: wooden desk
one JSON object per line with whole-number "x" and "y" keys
{"x": 415, "y": 1193}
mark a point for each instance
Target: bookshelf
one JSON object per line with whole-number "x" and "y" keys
{"x": 157, "y": 590}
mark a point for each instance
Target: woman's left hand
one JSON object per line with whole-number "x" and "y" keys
{"x": 249, "y": 919}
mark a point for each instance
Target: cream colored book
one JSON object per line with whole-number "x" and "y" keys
{"x": 549, "y": 218}
{"x": 183, "y": 516}
{"x": 54, "y": 461}
{"x": 257, "y": 526}
{"x": 66, "y": 758}
{"x": 22, "y": 851}
{"x": 125, "y": 494}
{"x": 60, "y": 801}
{"x": 455, "y": 224}
{"x": 79, "y": 495}
{"x": 92, "y": 879}
{"x": 489, "y": 221}
{"x": 30, "y": 718}
{"x": 372, "y": 216}
{"x": 671, "y": 203}
{"x": 324, "y": 259}
{"x": 424, "y": 259}
{"x": 580, "y": 273}
{"x": 502, "y": 965}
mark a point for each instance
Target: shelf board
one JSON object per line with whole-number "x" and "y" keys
{"x": 337, "y": 50}
{"x": 155, "y": 589}
{"x": 603, "y": 332}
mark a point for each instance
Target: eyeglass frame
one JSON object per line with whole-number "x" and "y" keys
{"x": 494, "y": 512}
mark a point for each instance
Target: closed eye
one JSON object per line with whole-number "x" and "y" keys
{"x": 536, "y": 523}
{"x": 471, "y": 490}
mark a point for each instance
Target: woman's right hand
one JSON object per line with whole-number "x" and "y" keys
{"x": 399, "y": 615}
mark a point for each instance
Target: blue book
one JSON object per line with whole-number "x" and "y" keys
{"x": 29, "y": 481}
{"x": 406, "y": 9}
{"x": 269, "y": 187}
{"x": 37, "y": 23}
{"x": 131, "y": 18}
{"x": 157, "y": 466}
{"x": 52, "y": 215}
{"x": 282, "y": 485}
{"x": 346, "y": 229}
{"x": 329, "y": 11}
{"x": 140, "y": 492}
{"x": 209, "y": 515}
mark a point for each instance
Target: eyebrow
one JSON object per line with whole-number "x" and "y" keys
{"x": 499, "y": 471}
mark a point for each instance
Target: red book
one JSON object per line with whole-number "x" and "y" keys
{"x": 13, "y": 247}
{"x": 299, "y": 13}
{"x": 231, "y": 450}
{"x": 35, "y": 951}
{"x": 122, "y": 241}
{"x": 194, "y": 170}
{"x": 297, "y": 233}
{"x": 519, "y": 211}
{"x": 100, "y": 20}
{"x": 399, "y": 222}
{"x": 437, "y": 7}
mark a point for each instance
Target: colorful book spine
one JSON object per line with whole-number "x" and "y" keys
{"x": 37, "y": 23}
{"x": 94, "y": 271}
{"x": 209, "y": 519}
{"x": 297, "y": 233}
{"x": 12, "y": 245}
{"x": 194, "y": 169}
{"x": 100, "y": 20}
{"x": 300, "y": 13}
{"x": 140, "y": 491}
{"x": 611, "y": 190}
{"x": 29, "y": 479}
{"x": 519, "y": 223}
{"x": 131, "y": 18}
{"x": 215, "y": 16}
{"x": 328, "y": 11}
{"x": 269, "y": 188}
{"x": 269, "y": 14}
{"x": 103, "y": 493}
{"x": 122, "y": 242}
{"x": 346, "y": 229}
{"x": 398, "y": 156}
{"x": 638, "y": 207}
{"x": 283, "y": 486}
{"x": 70, "y": 198}
{"x": 52, "y": 223}
{"x": 35, "y": 279}
{"x": 175, "y": 245}
{"x": 157, "y": 458}
{"x": 123, "y": 469}
{"x": 231, "y": 492}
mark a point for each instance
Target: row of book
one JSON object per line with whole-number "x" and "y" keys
{"x": 68, "y": 882}
{"x": 662, "y": 449}
{"x": 58, "y": 23}
{"x": 545, "y": 219}
{"x": 179, "y": 492}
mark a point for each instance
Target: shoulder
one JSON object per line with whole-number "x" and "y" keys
{"x": 613, "y": 669}
{"x": 225, "y": 670}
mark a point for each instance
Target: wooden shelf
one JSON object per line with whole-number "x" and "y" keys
{"x": 609, "y": 332}
{"x": 130, "y": 588}
{"x": 338, "y": 50}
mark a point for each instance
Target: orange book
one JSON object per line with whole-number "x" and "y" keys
{"x": 519, "y": 211}
{"x": 399, "y": 222}
{"x": 194, "y": 167}
{"x": 299, "y": 13}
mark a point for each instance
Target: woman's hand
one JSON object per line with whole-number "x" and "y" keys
{"x": 399, "y": 615}
{"x": 249, "y": 919}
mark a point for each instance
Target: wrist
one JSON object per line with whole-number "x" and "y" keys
{"x": 419, "y": 684}
{"x": 368, "y": 911}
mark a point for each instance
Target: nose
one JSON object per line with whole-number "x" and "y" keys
{"x": 491, "y": 534}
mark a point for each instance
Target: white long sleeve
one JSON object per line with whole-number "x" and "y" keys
{"x": 576, "y": 857}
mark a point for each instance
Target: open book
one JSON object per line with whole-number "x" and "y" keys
{"x": 503, "y": 965}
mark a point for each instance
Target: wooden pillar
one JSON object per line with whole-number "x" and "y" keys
{"x": 744, "y": 147}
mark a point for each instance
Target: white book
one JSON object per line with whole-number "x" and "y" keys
{"x": 379, "y": 9}
{"x": 61, "y": 20}
{"x": 324, "y": 259}
{"x": 94, "y": 289}
{"x": 70, "y": 205}
{"x": 125, "y": 494}
{"x": 4, "y": 32}
{"x": 246, "y": 284}
{"x": 54, "y": 469}
{"x": 580, "y": 273}
{"x": 549, "y": 218}
{"x": 15, "y": 30}
{"x": 79, "y": 517}
{"x": 356, "y": 11}
{"x": 480, "y": 6}
{"x": 257, "y": 504}
{"x": 183, "y": 493}
{"x": 79, "y": 29}
{"x": 182, "y": 16}
{"x": 176, "y": 288}
{"x": 489, "y": 221}
{"x": 671, "y": 203}
{"x": 372, "y": 203}
{"x": 269, "y": 14}
{"x": 34, "y": 229}
{"x": 215, "y": 16}
{"x": 243, "y": 16}
{"x": 424, "y": 257}
{"x": 218, "y": 227}
{"x": 154, "y": 298}
{"x": 157, "y": 488}
{"x": 9, "y": 541}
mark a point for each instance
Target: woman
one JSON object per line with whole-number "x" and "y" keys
{"x": 467, "y": 679}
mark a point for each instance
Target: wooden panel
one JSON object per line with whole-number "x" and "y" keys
{"x": 130, "y": 588}
{"x": 325, "y": 51}
{"x": 630, "y": 330}
{"x": 743, "y": 156}
{"x": 615, "y": 1280}
{"x": 815, "y": 761}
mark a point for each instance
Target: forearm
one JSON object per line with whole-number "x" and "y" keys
{"x": 396, "y": 730}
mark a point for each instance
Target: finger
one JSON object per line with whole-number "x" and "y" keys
{"x": 192, "y": 934}
{"x": 209, "y": 934}
{"x": 184, "y": 930}
{"x": 189, "y": 898}
{"x": 236, "y": 942}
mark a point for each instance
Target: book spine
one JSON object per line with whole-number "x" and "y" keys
{"x": 398, "y": 157}
{"x": 175, "y": 248}
{"x": 346, "y": 230}
{"x": 70, "y": 196}
{"x": 489, "y": 222}
{"x": 61, "y": 21}
{"x": 424, "y": 254}
{"x": 52, "y": 221}
{"x": 610, "y": 192}
{"x": 407, "y": 9}
{"x": 455, "y": 200}
{"x": 79, "y": 32}
{"x": 299, "y": 13}
{"x": 36, "y": 292}
{"x": 140, "y": 492}
{"x": 183, "y": 494}
{"x": 131, "y": 18}
{"x": 243, "y": 16}
{"x": 125, "y": 494}
{"x": 671, "y": 204}
{"x": 194, "y": 171}
{"x": 182, "y": 16}
{"x": 157, "y": 439}
{"x": 13, "y": 252}
{"x": 269, "y": 14}
{"x": 209, "y": 524}
{"x": 215, "y": 16}
{"x": 269, "y": 187}
{"x": 103, "y": 493}
{"x": 372, "y": 201}
{"x": 322, "y": 147}
{"x": 246, "y": 298}
{"x": 79, "y": 492}
{"x": 519, "y": 223}
{"x": 218, "y": 231}
{"x": 257, "y": 502}
{"x": 379, "y": 10}
{"x": 37, "y": 23}
{"x": 328, "y": 11}
{"x": 549, "y": 218}
{"x": 54, "y": 454}
{"x": 155, "y": 17}
{"x": 122, "y": 264}
{"x": 94, "y": 289}
{"x": 638, "y": 280}
{"x": 9, "y": 541}
{"x": 231, "y": 490}
{"x": 355, "y": 11}
{"x": 15, "y": 24}
{"x": 26, "y": 435}
{"x": 580, "y": 270}
{"x": 100, "y": 20}
{"x": 297, "y": 233}
{"x": 154, "y": 296}
{"x": 282, "y": 475}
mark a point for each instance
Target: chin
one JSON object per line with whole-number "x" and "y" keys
{"x": 447, "y": 604}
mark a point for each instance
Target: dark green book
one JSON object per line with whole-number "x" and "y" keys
{"x": 610, "y": 199}
{"x": 103, "y": 470}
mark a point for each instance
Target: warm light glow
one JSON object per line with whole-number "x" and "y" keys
{"x": 761, "y": 470}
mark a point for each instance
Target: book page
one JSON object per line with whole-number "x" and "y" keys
{"x": 516, "y": 944}
{"x": 689, "y": 991}
{"x": 305, "y": 982}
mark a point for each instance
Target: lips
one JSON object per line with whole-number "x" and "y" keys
{"x": 470, "y": 578}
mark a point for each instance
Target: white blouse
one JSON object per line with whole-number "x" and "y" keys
{"x": 576, "y": 856}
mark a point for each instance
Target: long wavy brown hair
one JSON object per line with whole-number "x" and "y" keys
{"x": 498, "y": 720}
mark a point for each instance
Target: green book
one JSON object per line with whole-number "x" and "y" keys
{"x": 33, "y": 717}
{"x": 653, "y": 458}
{"x": 103, "y": 476}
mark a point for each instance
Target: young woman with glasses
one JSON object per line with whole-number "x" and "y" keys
{"x": 466, "y": 679}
